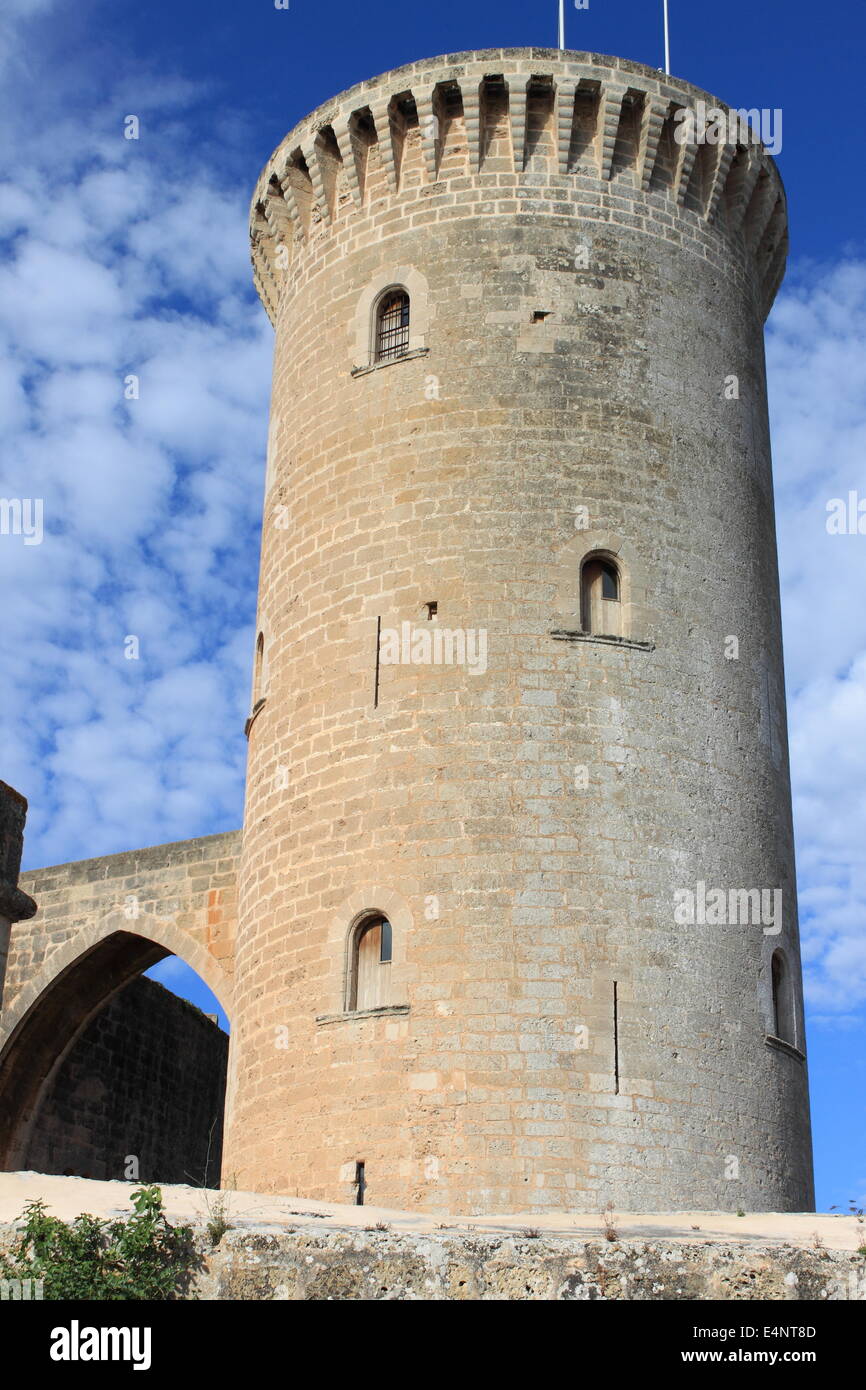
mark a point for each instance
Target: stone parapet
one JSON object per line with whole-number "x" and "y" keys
{"x": 575, "y": 135}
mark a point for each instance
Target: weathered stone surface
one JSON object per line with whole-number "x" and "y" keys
{"x": 15, "y": 905}
{"x": 377, "y": 1265}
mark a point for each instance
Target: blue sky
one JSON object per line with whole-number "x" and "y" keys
{"x": 124, "y": 256}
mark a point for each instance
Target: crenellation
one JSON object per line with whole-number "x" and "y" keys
{"x": 581, "y": 110}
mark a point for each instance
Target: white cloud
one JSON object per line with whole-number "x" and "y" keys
{"x": 816, "y": 356}
{"x": 133, "y": 262}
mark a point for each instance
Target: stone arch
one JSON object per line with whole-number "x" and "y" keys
{"x": 77, "y": 981}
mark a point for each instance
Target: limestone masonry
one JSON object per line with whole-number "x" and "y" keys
{"x": 511, "y": 924}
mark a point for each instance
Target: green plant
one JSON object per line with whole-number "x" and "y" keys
{"x": 141, "y": 1257}
{"x": 218, "y": 1210}
{"x": 219, "y": 1222}
{"x": 607, "y": 1216}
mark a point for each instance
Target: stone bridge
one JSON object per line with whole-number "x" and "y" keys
{"x": 74, "y": 935}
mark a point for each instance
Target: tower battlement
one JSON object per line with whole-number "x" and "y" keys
{"x": 574, "y": 135}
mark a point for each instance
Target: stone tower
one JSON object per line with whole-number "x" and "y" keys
{"x": 517, "y": 904}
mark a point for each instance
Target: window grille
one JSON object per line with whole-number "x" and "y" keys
{"x": 392, "y": 326}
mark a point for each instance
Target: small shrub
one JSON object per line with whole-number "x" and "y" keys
{"x": 140, "y": 1257}
{"x": 217, "y": 1226}
{"x": 218, "y": 1218}
{"x": 610, "y": 1231}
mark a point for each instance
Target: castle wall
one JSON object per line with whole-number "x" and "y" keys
{"x": 146, "y": 1079}
{"x": 556, "y": 1038}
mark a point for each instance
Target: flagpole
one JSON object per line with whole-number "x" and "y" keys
{"x": 562, "y": 23}
{"x": 667, "y": 42}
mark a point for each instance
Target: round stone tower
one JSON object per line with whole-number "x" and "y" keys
{"x": 518, "y": 918}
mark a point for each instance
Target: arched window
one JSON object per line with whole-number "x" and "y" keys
{"x": 259, "y": 670}
{"x": 260, "y": 682}
{"x": 370, "y": 964}
{"x": 600, "y": 597}
{"x": 392, "y": 326}
{"x": 783, "y": 999}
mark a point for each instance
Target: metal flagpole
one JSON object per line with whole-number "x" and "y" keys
{"x": 562, "y": 23}
{"x": 667, "y": 43}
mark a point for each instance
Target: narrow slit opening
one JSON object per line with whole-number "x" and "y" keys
{"x": 615, "y": 1039}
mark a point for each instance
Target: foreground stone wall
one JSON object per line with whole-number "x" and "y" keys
{"x": 146, "y": 1078}
{"x": 378, "y": 1265}
{"x": 266, "y": 1266}
{"x": 287, "y": 1247}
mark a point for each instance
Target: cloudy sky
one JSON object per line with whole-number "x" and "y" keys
{"x": 129, "y": 257}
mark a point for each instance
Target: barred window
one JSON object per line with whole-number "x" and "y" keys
{"x": 392, "y": 326}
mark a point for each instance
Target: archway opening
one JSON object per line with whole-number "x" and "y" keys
{"x": 118, "y": 1071}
